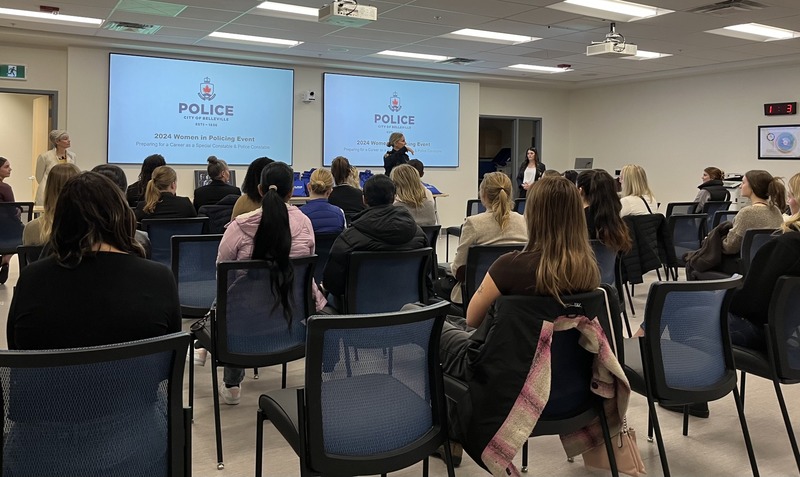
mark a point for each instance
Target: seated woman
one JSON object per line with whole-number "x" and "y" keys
{"x": 251, "y": 198}
{"x": 412, "y": 195}
{"x": 161, "y": 202}
{"x": 218, "y": 188}
{"x": 13, "y": 224}
{"x": 637, "y": 198}
{"x": 602, "y": 206}
{"x": 345, "y": 194}
{"x": 98, "y": 288}
{"x": 499, "y": 224}
{"x": 37, "y": 231}
{"x": 557, "y": 260}
{"x": 711, "y": 188}
{"x": 135, "y": 192}
{"x": 325, "y": 218}
{"x": 793, "y": 197}
{"x": 277, "y": 231}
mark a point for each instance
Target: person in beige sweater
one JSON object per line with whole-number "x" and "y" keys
{"x": 767, "y": 196}
{"x": 499, "y": 225}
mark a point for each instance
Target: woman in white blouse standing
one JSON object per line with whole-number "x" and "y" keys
{"x": 46, "y": 160}
{"x": 529, "y": 171}
{"x": 637, "y": 198}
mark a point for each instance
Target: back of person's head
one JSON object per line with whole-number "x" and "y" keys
{"x": 418, "y": 165}
{"x": 634, "y": 181}
{"x": 115, "y": 173}
{"x": 252, "y": 178}
{"x": 551, "y": 173}
{"x": 321, "y": 181}
{"x": 340, "y": 168}
{"x": 58, "y": 176}
{"x": 148, "y": 166}
{"x": 793, "y": 193}
{"x": 714, "y": 173}
{"x": 571, "y": 175}
{"x": 766, "y": 187}
{"x": 216, "y": 167}
{"x": 408, "y": 185}
{"x": 273, "y": 239}
{"x": 163, "y": 178}
{"x": 90, "y": 211}
{"x": 495, "y": 191}
{"x": 393, "y": 138}
{"x": 600, "y": 192}
{"x": 557, "y": 231}
{"x": 379, "y": 190}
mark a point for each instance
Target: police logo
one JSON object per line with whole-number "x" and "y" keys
{"x": 394, "y": 103}
{"x": 207, "y": 90}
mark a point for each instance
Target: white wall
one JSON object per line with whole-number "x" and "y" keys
{"x": 677, "y": 127}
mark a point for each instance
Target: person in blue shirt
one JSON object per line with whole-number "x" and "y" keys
{"x": 325, "y": 217}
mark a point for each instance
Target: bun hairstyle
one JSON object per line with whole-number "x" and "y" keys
{"x": 216, "y": 167}
{"x": 393, "y": 138}
{"x": 163, "y": 177}
{"x": 496, "y": 191}
{"x": 340, "y": 168}
{"x": 321, "y": 181}
{"x": 714, "y": 173}
{"x": 766, "y": 187}
{"x": 273, "y": 239}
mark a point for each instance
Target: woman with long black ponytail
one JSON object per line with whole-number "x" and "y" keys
{"x": 275, "y": 232}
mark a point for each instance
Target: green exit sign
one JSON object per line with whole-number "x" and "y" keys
{"x": 15, "y": 72}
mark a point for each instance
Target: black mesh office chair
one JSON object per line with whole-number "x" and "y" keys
{"x": 161, "y": 231}
{"x": 194, "y": 266}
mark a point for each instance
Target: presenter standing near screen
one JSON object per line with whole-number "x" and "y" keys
{"x": 529, "y": 172}
{"x": 397, "y": 154}
{"x": 58, "y": 155}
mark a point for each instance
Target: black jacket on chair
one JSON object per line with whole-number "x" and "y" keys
{"x": 652, "y": 246}
{"x": 212, "y": 193}
{"x": 219, "y": 214}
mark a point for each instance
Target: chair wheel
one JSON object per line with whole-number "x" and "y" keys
{"x": 649, "y": 439}
{"x": 524, "y": 469}
{"x": 255, "y": 376}
{"x": 220, "y": 466}
{"x": 570, "y": 460}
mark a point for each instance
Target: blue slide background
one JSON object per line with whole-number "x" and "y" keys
{"x": 351, "y": 103}
{"x": 144, "y": 116}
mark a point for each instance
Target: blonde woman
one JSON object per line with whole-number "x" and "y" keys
{"x": 37, "y": 231}
{"x": 793, "y": 199}
{"x": 498, "y": 225}
{"x": 325, "y": 218}
{"x": 412, "y": 195}
{"x": 59, "y": 138}
{"x": 161, "y": 202}
{"x": 637, "y": 198}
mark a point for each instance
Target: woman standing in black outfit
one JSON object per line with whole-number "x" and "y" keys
{"x": 397, "y": 154}
{"x": 530, "y": 171}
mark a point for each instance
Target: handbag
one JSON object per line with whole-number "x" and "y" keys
{"x": 626, "y": 454}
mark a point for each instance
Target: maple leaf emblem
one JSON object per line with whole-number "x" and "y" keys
{"x": 206, "y": 89}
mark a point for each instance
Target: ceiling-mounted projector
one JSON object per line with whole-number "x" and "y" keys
{"x": 613, "y": 45}
{"x": 347, "y": 14}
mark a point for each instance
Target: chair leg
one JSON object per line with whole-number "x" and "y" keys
{"x": 448, "y": 459}
{"x": 747, "y": 442}
{"x": 524, "y": 457}
{"x": 649, "y": 427}
{"x": 659, "y": 439}
{"x": 425, "y": 466}
{"x": 630, "y": 299}
{"x": 187, "y": 445}
{"x": 259, "y": 442}
{"x": 217, "y": 424}
{"x": 612, "y": 460}
{"x": 685, "y": 419}
{"x": 283, "y": 375}
{"x": 191, "y": 378}
{"x": 625, "y": 317}
{"x": 742, "y": 376}
{"x": 787, "y": 422}
{"x": 255, "y": 373}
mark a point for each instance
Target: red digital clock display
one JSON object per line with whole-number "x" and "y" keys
{"x": 780, "y": 109}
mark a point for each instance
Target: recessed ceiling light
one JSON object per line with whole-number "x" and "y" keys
{"x": 493, "y": 36}
{"x": 218, "y": 35}
{"x": 610, "y": 9}
{"x": 287, "y": 8}
{"x": 54, "y": 17}
{"x": 539, "y": 69}
{"x": 646, "y": 55}
{"x": 756, "y": 32}
{"x": 413, "y": 56}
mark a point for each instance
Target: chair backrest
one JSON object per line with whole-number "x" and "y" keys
{"x": 606, "y": 261}
{"x": 27, "y": 254}
{"x": 479, "y": 259}
{"x": 380, "y": 417}
{"x": 379, "y": 282}
{"x": 249, "y": 327}
{"x": 194, "y": 265}
{"x": 13, "y": 217}
{"x": 322, "y": 247}
{"x": 161, "y": 231}
{"x": 713, "y": 206}
{"x": 753, "y": 240}
{"x": 784, "y": 323}
{"x": 723, "y": 216}
{"x": 107, "y": 410}
{"x": 474, "y": 207}
{"x": 687, "y": 232}
{"x": 687, "y": 349}
{"x": 218, "y": 216}
{"x": 519, "y": 205}
{"x": 680, "y": 208}
{"x": 432, "y": 233}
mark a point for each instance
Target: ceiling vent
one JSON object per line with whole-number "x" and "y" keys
{"x": 129, "y": 27}
{"x": 458, "y": 61}
{"x": 729, "y": 7}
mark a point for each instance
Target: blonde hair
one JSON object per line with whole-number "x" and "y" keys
{"x": 496, "y": 190}
{"x": 634, "y": 181}
{"x": 793, "y": 222}
{"x": 557, "y": 231}
{"x": 163, "y": 177}
{"x": 56, "y": 179}
{"x": 321, "y": 181}
{"x": 393, "y": 138}
{"x": 353, "y": 179}
{"x": 409, "y": 186}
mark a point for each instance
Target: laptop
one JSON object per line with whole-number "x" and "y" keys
{"x": 583, "y": 163}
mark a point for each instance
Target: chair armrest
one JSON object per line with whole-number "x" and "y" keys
{"x": 454, "y": 388}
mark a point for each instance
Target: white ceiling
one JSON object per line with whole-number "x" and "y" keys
{"x": 418, "y": 25}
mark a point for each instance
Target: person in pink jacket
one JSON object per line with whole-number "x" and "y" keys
{"x": 264, "y": 233}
